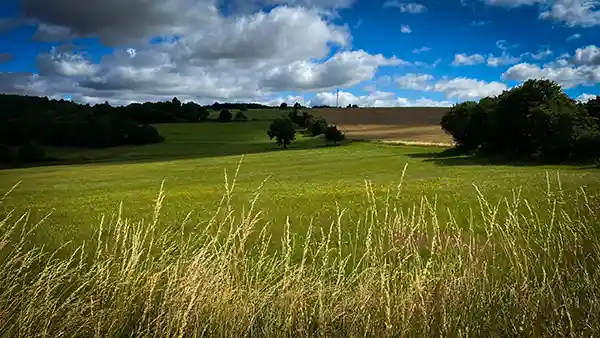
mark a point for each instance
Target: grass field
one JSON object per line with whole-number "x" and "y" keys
{"x": 393, "y": 264}
{"x": 304, "y": 182}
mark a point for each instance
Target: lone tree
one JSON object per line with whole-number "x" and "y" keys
{"x": 333, "y": 134}
{"x": 283, "y": 131}
{"x": 225, "y": 115}
{"x": 283, "y": 105}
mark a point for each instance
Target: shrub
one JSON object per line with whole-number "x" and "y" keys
{"x": 225, "y": 115}
{"x": 319, "y": 125}
{"x": 283, "y": 131}
{"x": 143, "y": 134}
{"x": 240, "y": 116}
{"x": 31, "y": 152}
{"x": 333, "y": 134}
{"x": 283, "y": 105}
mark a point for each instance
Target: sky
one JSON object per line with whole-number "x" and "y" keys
{"x": 376, "y": 53}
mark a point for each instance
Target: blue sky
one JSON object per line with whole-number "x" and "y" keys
{"x": 377, "y": 53}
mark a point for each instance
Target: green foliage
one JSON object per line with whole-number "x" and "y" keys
{"x": 283, "y": 105}
{"x": 240, "y": 116}
{"x": 31, "y": 152}
{"x": 593, "y": 107}
{"x": 225, "y": 115}
{"x": 534, "y": 120}
{"x": 333, "y": 134}
{"x": 282, "y": 129}
{"x": 463, "y": 122}
{"x": 65, "y": 123}
{"x": 318, "y": 127}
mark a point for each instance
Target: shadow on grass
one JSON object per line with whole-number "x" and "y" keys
{"x": 456, "y": 157}
{"x": 137, "y": 155}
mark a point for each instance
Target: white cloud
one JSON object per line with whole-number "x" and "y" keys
{"x": 503, "y": 59}
{"x": 571, "y": 12}
{"x": 245, "y": 57}
{"x": 414, "y": 81}
{"x": 479, "y": 23}
{"x": 459, "y": 88}
{"x": 466, "y": 88}
{"x": 405, "y": 29}
{"x": 343, "y": 69}
{"x": 468, "y": 60}
{"x": 586, "y": 97}
{"x": 566, "y": 76}
{"x": 589, "y": 55}
{"x": 539, "y": 55}
{"x": 574, "y": 12}
{"x": 574, "y": 37}
{"x": 65, "y": 64}
{"x": 421, "y": 50}
{"x": 411, "y": 7}
{"x": 374, "y": 99}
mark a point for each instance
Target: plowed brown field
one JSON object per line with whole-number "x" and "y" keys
{"x": 416, "y": 124}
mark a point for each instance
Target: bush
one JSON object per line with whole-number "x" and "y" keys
{"x": 319, "y": 125}
{"x": 240, "y": 116}
{"x": 283, "y": 131}
{"x": 333, "y": 134}
{"x": 225, "y": 115}
{"x": 31, "y": 152}
{"x": 143, "y": 134}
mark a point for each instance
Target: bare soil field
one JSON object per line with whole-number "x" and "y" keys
{"x": 412, "y": 124}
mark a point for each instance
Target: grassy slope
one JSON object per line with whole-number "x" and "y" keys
{"x": 303, "y": 182}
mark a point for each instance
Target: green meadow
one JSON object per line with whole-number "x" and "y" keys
{"x": 302, "y": 183}
{"x": 246, "y": 239}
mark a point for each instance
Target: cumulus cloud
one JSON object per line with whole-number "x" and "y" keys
{"x": 566, "y": 76}
{"x": 344, "y": 69}
{"x": 247, "y": 57}
{"x": 458, "y": 88}
{"x": 410, "y": 7}
{"x": 374, "y": 99}
{"x": 586, "y": 97}
{"x": 405, "y": 29}
{"x": 503, "y": 59}
{"x": 589, "y": 55}
{"x": 466, "y": 88}
{"x": 571, "y": 12}
{"x": 574, "y": 12}
{"x": 414, "y": 81}
{"x": 574, "y": 37}
{"x": 65, "y": 64}
{"x": 468, "y": 60}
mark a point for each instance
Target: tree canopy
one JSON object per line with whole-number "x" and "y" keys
{"x": 533, "y": 120}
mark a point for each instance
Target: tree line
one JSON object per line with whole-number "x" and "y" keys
{"x": 535, "y": 120}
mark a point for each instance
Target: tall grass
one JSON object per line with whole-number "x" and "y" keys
{"x": 517, "y": 268}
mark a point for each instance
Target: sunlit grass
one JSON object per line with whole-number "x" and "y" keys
{"x": 404, "y": 267}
